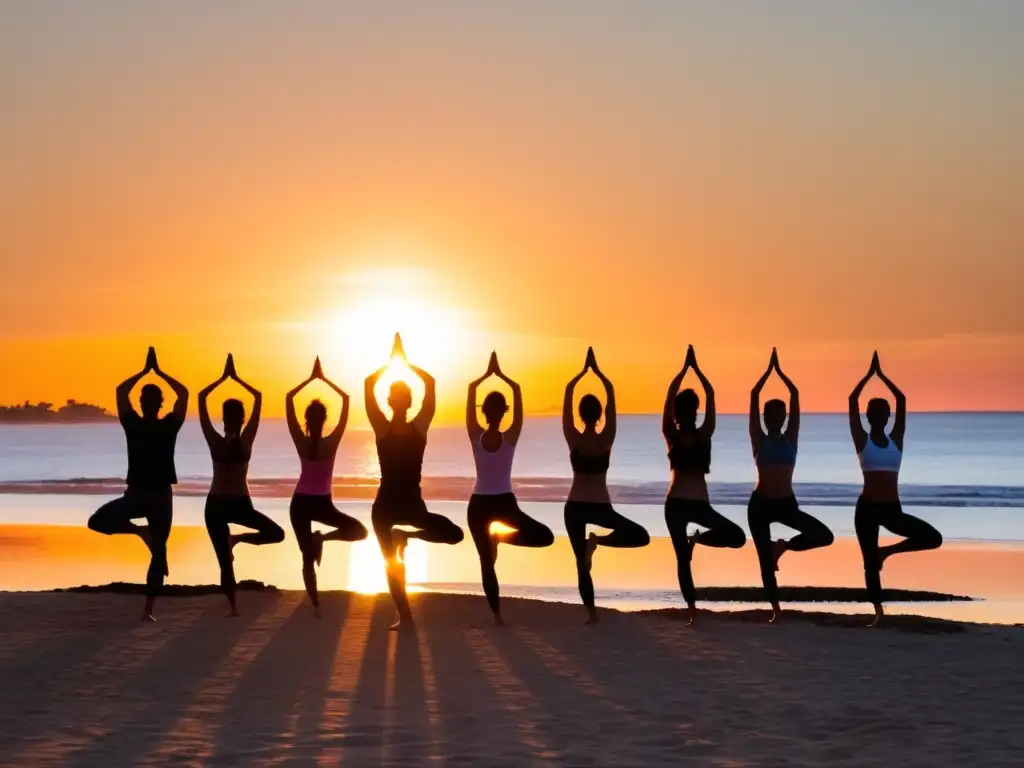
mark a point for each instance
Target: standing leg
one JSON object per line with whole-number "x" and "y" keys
{"x": 760, "y": 524}
{"x": 866, "y": 525}
{"x": 677, "y": 522}
{"x": 159, "y": 515}
{"x": 479, "y": 521}
{"x": 576, "y": 527}
{"x": 302, "y": 527}
{"x": 220, "y": 537}
{"x": 383, "y": 527}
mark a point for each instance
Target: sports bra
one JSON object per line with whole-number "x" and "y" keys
{"x": 875, "y": 458}
{"x": 401, "y": 460}
{"x": 690, "y": 458}
{"x": 776, "y": 452}
{"x": 493, "y": 468}
{"x": 589, "y": 465}
{"x": 316, "y": 477}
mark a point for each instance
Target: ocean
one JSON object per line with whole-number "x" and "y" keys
{"x": 963, "y": 472}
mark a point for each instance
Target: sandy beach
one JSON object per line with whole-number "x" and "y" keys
{"x": 86, "y": 685}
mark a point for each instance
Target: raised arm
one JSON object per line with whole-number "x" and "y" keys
{"x": 707, "y": 428}
{"x": 209, "y": 431}
{"x": 899, "y": 425}
{"x": 516, "y": 428}
{"x": 180, "y": 393}
{"x": 668, "y": 419}
{"x": 426, "y": 414}
{"x": 125, "y": 409}
{"x": 339, "y": 429}
{"x": 378, "y": 421}
{"x": 472, "y": 420}
{"x": 755, "y": 428}
{"x": 793, "y": 428}
{"x": 568, "y": 419}
{"x": 610, "y": 419}
{"x": 860, "y": 437}
{"x": 253, "y": 424}
{"x": 294, "y": 428}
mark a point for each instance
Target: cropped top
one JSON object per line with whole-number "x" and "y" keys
{"x": 493, "y": 468}
{"x": 875, "y": 458}
{"x": 776, "y": 452}
{"x": 692, "y": 458}
{"x": 589, "y": 465}
{"x": 316, "y": 477}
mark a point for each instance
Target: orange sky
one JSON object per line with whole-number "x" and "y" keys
{"x": 281, "y": 182}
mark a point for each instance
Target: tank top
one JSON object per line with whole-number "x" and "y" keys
{"x": 690, "y": 458}
{"x": 151, "y": 451}
{"x": 316, "y": 477}
{"x": 401, "y": 461}
{"x": 493, "y": 469}
{"x": 874, "y": 458}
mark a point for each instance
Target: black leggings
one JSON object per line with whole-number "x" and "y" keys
{"x": 872, "y": 515}
{"x": 721, "y": 532}
{"x": 486, "y": 509}
{"x": 761, "y": 513}
{"x": 222, "y": 511}
{"x": 625, "y": 534}
{"x": 389, "y": 511}
{"x": 306, "y": 510}
{"x": 158, "y": 508}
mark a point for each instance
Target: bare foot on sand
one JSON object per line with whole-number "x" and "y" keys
{"x": 232, "y": 613}
{"x": 403, "y": 625}
{"x": 498, "y": 621}
{"x": 691, "y": 614}
{"x": 779, "y": 548}
{"x": 592, "y": 542}
{"x": 879, "y": 616}
{"x": 147, "y": 616}
{"x": 776, "y": 616}
{"x": 317, "y": 613}
{"x": 591, "y": 617}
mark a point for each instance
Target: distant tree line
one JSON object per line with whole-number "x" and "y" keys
{"x": 72, "y": 412}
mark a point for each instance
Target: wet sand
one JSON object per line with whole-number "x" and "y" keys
{"x": 85, "y": 684}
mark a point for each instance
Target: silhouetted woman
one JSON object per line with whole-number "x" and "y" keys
{"x": 879, "y": 505}
{"x": 589, "y": 503}
{"x": 689, "y": 456}
{"x": 773, "y": 500}
{"x": 493, "y": 500}
{"x": 400, "y": 446}
{"x": 228, "y": 502}
{"x": 151, "y": 439}
{"x": 312, "y": 500}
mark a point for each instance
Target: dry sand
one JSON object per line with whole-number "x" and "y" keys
{"x": 84, "y": 685}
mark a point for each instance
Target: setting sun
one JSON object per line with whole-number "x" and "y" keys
{"x": 366, "y": 572}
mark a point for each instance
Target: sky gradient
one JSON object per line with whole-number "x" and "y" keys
{"x": 285, "y": 179}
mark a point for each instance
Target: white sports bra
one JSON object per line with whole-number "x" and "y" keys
{"x": 877, "y": 459}
{"x": 493, "y": 470}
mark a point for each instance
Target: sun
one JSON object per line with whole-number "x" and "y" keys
{"x": 433, "y": 331}
{"x": 366, "y": 566}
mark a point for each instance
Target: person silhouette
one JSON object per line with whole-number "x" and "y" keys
{"x": 150, "y": 439}
{"x": 228, "y": 502}
{"x": 312, "y": 500}
{"x": 881, "y": 457}
{"x": 773, "y": 500}
{"x": 493, "y": 499}
{"x": 589, "y": 503}
{"x": 401, "y": 443}
{"x": 689, "y": 457}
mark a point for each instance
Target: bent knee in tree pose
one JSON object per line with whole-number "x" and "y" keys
{"x": 228, "y": 502}
{"x": 312, "y": 501}
{"x": 775, "y": 449}
{"x": 881, "y": 456}
{"x": 689, "y": 456}
{"x": 401, "y": 443}
{"x": 151, "y": 440}
{"x": 493, "y": 500}
{"x": 589, "y": 503}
